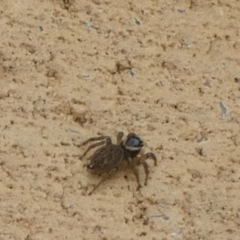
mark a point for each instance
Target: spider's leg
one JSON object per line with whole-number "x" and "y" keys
{"x": 135, "y": 171}
{"x": 104, "y": 178}
{"x": 145, "y": 166}
{"x": 107, "y": 138}
{"x": 92, "y": 146}
{"x": 119, "y": 138}
{"x": 146, "y": 156}
{"x": 142, "y": 160}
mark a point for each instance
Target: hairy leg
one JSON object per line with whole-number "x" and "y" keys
{"x": 104, "y": 178}
{"x": 119, "y": 138}
{"x": 142, "y": 160}
{"x": 135, "y": 171}
{"x": 144, "y": 157}
{"x": 145, "y": 166}
{"x": 92, "y": 146}
{"x": 107, "y": 138}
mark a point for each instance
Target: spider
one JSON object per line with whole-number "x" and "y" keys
{"x": 109, "y": 156}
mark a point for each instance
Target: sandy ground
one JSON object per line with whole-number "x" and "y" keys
{"x": 167, "y": 70}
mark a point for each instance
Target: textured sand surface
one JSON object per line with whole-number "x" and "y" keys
{"x": 167, "y": 70}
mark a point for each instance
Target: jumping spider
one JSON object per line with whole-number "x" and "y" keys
{"x": 110, "y": 156}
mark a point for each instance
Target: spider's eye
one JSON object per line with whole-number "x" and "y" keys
{"x": 134, "y": 142}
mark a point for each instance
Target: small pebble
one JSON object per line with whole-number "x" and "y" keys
{"x": 137, "y": 21}
{"x": 132, "y": 73}
{"x": 181, "y": 10}
{"x": 224, "y": 110}
{"x": 237, "y": 80}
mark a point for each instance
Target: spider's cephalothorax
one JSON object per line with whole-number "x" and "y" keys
{"x": 109, "y": 156}
{"x": 132, "y": 145}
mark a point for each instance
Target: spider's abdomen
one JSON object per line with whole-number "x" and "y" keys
{"x": 106, "y": 158}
